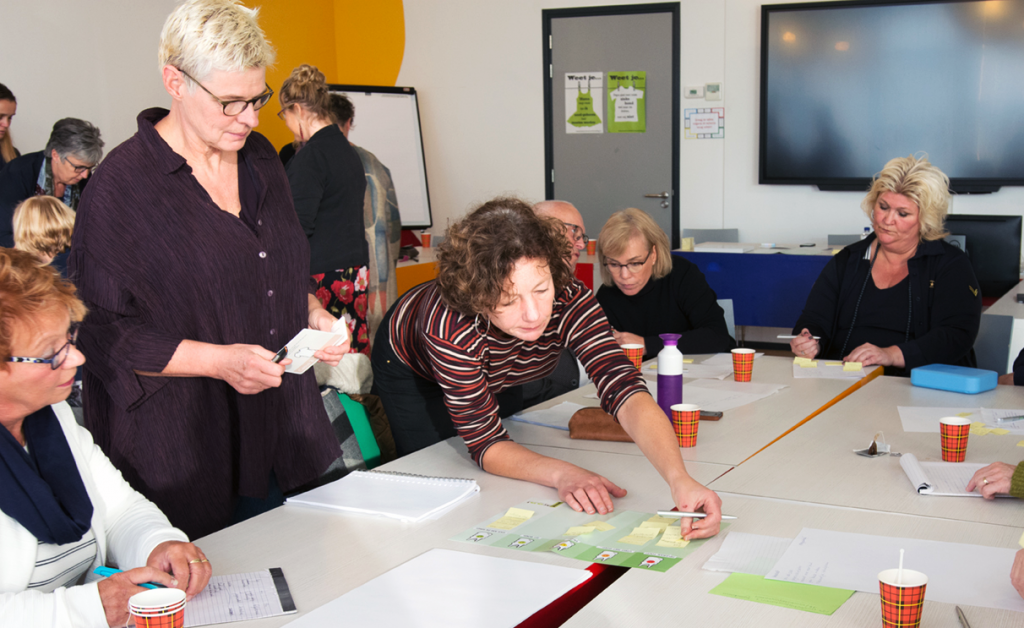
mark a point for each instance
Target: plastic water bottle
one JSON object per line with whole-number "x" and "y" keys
{"x": 670, "y": 374}
{"x": 867, "y": 232}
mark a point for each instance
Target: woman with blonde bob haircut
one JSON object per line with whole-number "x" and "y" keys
{"x": 503, "y": 306}
{"x": 648, "y": 291}
{"x": 43, "y": 226}
{"x": 902, "y": 297}
{"x": 195, "y": 269}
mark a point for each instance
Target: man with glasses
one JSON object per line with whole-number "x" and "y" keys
{"x": 60, "y": 170}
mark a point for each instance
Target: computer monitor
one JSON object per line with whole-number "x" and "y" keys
{"x": 993, "y": 244}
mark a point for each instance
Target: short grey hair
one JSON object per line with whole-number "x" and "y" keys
{"x": 71, "y": 136}
{"x": 200, "y": 36}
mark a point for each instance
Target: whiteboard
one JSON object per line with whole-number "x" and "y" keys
{"x": 387, "y": 123}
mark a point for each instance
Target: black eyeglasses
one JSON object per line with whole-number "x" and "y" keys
{"x": 236, "y": 107}
{"x": 78, "y": 169}
{"x": 59, "y": 357}
{"x": 576, "y": 232}
{"x": 632, "y": 267}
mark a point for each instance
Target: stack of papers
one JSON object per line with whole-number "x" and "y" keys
{"x": 940, "y": 478}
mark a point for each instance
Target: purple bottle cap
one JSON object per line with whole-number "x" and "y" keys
{"x": 670, "y": 340}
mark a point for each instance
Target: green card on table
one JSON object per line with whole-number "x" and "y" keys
{"x": 802, "y": 597}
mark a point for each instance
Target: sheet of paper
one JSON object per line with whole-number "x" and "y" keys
{"x": 706, "y": 371}
{"x": 640, "y": 535}
{"x": 511, "y": 519}
{"x": 825, "y": 370}
{"x": 748, "y": 553}
{"x": 958, "y": 573}
{"x": 940, "y": 478}
{"x": 802, "y": 597}
{"x": 724, "y": 359}
{"x": 926, "y": 419}
{"x": 990, "y": 417}
{"x": 307, "y": 342}
{"x": 555, "y": 416}
{"x": 451, "y": 589}
{"x": 239, "y": 597}
{"x": 721, "y": 396}
{"x": 672, "y": 537}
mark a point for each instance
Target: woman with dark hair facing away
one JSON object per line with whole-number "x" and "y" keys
{"x": 328, "y": 185}
{"x": 502, "y": 307}
{"x": 8, "y": 107}
{"x": 648, "y": 291}
{"x": 903, "y": 297}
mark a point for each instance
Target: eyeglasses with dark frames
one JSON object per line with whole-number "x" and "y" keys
{"x": 236, "y": 107}
{"x": 59, "y": 357}
{"x": 632, "y": 267}
{"x": 78, "y": 168}
{"x": 577, "y": 233}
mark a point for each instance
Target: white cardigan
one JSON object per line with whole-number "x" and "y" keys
{"x": 127, "y": 528}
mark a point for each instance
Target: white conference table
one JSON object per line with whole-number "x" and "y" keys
{"x": 739, "y": 434}
{"x": 681, "y": 595}
{"x": 326, "y": 554}
{"x": 816, "y": 463}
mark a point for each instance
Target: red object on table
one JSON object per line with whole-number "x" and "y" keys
{"x": 559, "y": 611}
{"x": 409, "y": 238}
{"x": 585, "y": 273}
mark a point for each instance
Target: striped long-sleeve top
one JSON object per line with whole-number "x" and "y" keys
{"x": 472, "y": 360}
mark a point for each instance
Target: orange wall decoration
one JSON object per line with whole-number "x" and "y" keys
{"x": 351, "y": 41}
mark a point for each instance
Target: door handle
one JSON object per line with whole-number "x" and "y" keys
{"x": 662, "y": 195}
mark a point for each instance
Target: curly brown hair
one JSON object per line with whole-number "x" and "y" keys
{"x": 480, "y": 252}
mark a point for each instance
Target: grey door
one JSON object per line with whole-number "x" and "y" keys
{"x": 602, "y": 173}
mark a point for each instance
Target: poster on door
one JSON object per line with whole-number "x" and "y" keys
{"x": 582, "y": 90}
{"x": 626, "y": 109}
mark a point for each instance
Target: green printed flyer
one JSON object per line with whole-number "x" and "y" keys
{"x": 626, "y": 539}
{"x": 627, "y": 112}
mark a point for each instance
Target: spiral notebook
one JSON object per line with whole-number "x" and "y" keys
{"x": 401, "y": 496}
{"x": 941, "y": 478}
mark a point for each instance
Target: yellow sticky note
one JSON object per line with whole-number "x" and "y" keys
{"x": 666, "y": 520}
{"x": 654, "y": 524}
{"x": 1021, "y": 541}
{"x": 579, "y": 530}
{"x": 1020, "y": 444}
{"x": 852, "y": 366}
{"x": 640, "y": 536}
{"x": 977, "y": 424}
{"x": 801, "y": 360}
{"x": 964, "y": 415}
{"x": 833, "y": 364}
{"x": 602, "y": 526}
{"x": 511, "y": 519}
{"x": 809, "y": 365}
{"x": 672, "y": 538}
{"x": 998, "y": 430}
{"x": 980, "y": 431}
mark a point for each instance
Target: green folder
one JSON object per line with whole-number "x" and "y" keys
{"x": 802, "y": 597}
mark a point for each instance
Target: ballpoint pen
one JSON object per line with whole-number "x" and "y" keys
{"x": 694, "y": 515}
{"x": 963, "y": 618}
{"x": 1007, "y": 419}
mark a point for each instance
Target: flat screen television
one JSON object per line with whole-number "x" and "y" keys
{"x": 993, "y": 244}
{"x": 847, "y": 86}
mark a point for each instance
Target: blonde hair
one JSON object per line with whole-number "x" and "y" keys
{"x": 622, "y": 227}
{"x": 204, "y": 35}
{"x": 920, "y": 181}
{"x": 307, "y": 86}
{"x": 43, "y": 226}
{"x": 28, "y": 290}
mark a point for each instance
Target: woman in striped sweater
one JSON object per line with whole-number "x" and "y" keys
{"x": 503, "y": 306}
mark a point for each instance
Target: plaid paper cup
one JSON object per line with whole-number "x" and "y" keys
{"x": 685, "y": 421}
{"x": 742, "y": 364}
{"x": 953, "y": 433}
{"x": 592, "y": 247}
{"x": 635, "y": 353}
{"x": 902, "y": 603}
{"x": 158, "y": 608}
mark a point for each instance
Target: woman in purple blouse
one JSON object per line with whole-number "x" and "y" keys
{"x": 190, "y": 258}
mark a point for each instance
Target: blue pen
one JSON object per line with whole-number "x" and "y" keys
{"x": 106, "y": 572}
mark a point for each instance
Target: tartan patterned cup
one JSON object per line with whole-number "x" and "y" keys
{"x": 685, "y": 421}
{"x": 953, "y": 433}
{"x": 742, "y": 364}
{"x": 158, "y": 608}
{"x": 902, "y": 603}
{"x": 592, "y": 247}
{"x": 635, "y": 353}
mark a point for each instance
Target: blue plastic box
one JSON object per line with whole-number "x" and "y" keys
{"x": 959, "y": 379}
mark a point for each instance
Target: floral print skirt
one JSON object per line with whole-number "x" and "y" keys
{"x": 343, "y": 292}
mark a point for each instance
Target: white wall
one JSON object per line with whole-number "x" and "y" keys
{"x": 478, "y": 67}
{"x": 90, "y": 60}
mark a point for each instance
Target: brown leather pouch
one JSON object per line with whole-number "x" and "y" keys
{"x": 596, "y": 424}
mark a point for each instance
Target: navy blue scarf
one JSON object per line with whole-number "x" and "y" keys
{"x": 42, "y": 489}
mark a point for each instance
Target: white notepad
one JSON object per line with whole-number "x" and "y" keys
{"x": 397, "y": 495}
{"x": 450, "y": 589}
{"x": 240, "y": 597}
{"x": 940, "y": 478}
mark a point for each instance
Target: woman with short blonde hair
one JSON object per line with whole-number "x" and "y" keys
{"x": 902, "y": 297}
{"x": 648, "y": 291}
{"x": 43, "y": 226}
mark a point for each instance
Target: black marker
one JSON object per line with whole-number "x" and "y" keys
{"x": 280, "y": 355}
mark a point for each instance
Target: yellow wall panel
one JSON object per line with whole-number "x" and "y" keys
{"x": 370, "y": 41}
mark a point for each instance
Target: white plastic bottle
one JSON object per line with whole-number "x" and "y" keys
{"x": 670, "y": 374}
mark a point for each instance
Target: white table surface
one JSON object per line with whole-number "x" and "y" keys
{"x": 739, "y": 434}
{"x": 681, "y": 595}
{"x": 816, "y": 463}
{"x": 326, "y": 554}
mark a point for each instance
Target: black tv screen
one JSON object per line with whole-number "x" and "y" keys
{"x": 847, "y": 86}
